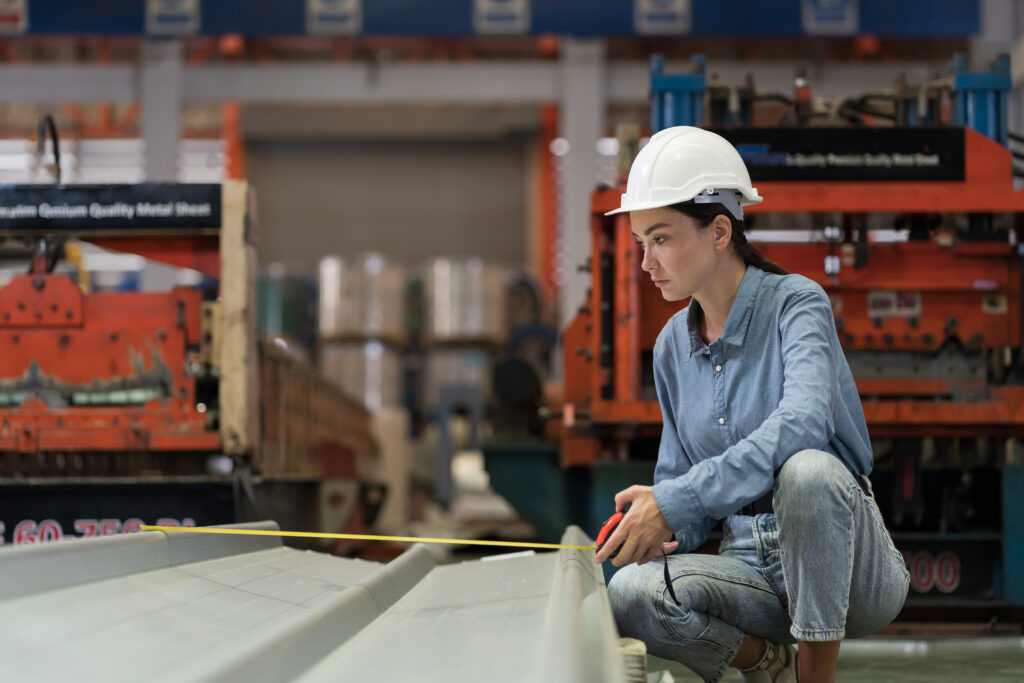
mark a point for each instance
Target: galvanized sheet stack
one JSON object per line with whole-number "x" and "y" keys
{"x": 362, "y": 327}
{"x": 464, "y": 323}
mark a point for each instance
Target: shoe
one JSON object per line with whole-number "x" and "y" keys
{"x": 786, "y": 674}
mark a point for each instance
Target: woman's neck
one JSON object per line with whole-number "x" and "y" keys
{"x": 717, "y": 298}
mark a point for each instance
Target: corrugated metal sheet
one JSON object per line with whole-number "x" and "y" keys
{"x": 200, "y": 607}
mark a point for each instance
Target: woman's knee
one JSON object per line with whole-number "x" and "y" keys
{"x": 809, "y": 472}
{"x": 625, "y": 588}
{"x": 631, "y": 594}
{"x": 641, "y": 588}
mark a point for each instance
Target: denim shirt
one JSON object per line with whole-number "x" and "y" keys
{"x": 776, "y": 382}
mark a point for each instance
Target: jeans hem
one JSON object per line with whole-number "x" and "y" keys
{"x": 719, "y": 672}
{"x": 817, "y": 635}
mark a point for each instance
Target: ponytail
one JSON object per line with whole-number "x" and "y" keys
{"x": 751, "y": 255}
{"x": 747, "y": 252}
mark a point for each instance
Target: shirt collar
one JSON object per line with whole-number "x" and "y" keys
{"x": 739, "y": 315}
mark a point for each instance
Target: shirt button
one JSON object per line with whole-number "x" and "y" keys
{"x": 721, "y": 420}
{"x": 718, "y": 368}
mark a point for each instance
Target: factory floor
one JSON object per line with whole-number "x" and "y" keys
{"x": 992, "y": 660}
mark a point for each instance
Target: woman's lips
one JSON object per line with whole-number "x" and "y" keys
{"x": 660, "y": 283}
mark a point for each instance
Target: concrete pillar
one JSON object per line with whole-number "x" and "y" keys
{"x": 582, "y": 123}
{"x": 160, "y": 94}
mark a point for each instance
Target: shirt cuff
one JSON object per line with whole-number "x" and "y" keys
{"x": 679, "y": 504}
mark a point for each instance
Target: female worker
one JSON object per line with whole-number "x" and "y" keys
{"x": 763, "y": 429}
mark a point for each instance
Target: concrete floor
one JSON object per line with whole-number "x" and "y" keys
{"x": 988, "y": 660}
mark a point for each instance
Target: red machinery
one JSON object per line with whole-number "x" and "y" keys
{"x": 114, "y": 367}
{"x": 912, "y": 295}
{"x": 128, "y": 389}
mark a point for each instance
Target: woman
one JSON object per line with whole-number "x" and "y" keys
{"x": 763, "y": 429}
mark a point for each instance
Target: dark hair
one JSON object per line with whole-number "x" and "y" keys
{"x": 704, "y": 214}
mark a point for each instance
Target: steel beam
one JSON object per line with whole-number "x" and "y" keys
{"x": 47, "y": 84}
{"x": 514, "y": 82}
{"x": 493, "y": 82}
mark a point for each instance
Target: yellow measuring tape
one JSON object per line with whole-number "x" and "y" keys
{"x": 363, "y": 537}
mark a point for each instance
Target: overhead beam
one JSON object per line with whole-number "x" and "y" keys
{"x": 509, "y": 81}
{"x": 47, "y": 84}
{"x": 492, "y": 82}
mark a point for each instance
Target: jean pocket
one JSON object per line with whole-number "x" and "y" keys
{"x": 876, "y": 516}
{"x": 872, "y": 507}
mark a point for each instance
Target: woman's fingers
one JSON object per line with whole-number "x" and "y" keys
{"x": 625, "y": 496}
{"x": 649, "y": 555}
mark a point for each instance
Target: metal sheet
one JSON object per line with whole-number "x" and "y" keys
{"x": 183, "y": 607}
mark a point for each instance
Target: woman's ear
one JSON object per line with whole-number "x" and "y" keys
{"x": 722, "y": 227}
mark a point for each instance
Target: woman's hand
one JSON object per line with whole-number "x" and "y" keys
{"x": 643, "y": 532}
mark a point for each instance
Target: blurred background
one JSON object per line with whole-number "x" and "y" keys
{"x": 401, "y": 310}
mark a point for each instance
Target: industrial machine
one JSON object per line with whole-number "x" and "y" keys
{"x": 912, "y": 224}
{"x": 124, "y": 408}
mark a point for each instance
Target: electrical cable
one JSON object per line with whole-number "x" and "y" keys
{"x": 47, "y": 125}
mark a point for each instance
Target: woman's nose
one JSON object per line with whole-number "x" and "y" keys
{"x": 647, "y": 263}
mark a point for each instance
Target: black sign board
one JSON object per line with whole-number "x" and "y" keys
{"x": 39, "y": 513}
{"x": 110, "y": 208}
{"x": 850, "y": 154}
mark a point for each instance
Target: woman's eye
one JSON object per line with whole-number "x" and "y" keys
{"x": 659, "y": 240}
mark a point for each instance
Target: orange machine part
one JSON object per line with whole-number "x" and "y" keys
{"x": 95, "y": 342}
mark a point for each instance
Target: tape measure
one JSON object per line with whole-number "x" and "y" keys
{"x": 364, "y": 537}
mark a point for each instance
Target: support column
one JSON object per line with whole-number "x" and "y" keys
{"x": 160, "y": 94}
{"x": 583, "y": 104}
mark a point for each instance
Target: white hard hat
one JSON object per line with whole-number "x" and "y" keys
{"x": 684, "y": 163}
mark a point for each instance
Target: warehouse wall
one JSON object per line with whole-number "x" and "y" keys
{"x": 411, "y": 200}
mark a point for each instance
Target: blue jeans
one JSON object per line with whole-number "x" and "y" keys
{"x": 821, "y": 568}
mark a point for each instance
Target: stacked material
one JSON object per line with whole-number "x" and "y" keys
{"x": 361, "y": 297}
{"x": 464, "y": 322}
{"x": 301, "y": 411}
{"x": 362, "y": 327}
{"x": 448, "y": 366}
{"x": 465, "y": 300}
{"x": 369, "y": 371}
{"x": 187, "y": 607}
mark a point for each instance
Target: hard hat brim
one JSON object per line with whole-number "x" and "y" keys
{"x": 643, "y": 206}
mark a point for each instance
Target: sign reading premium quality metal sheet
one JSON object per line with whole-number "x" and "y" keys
{"x": 103, "y": 208}
{"x": 850, "y": 154}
